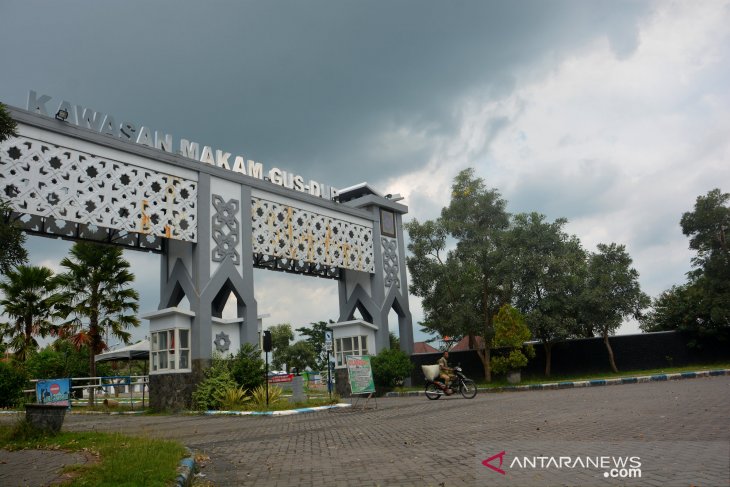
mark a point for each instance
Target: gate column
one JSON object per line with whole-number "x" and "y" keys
{"x": 207, "y": 273}
{"x": 374, "y": 295}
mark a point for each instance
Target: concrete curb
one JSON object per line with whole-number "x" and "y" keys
{"x": 586, "y": 383}
{"x": 82, "y": 413}
{"x": 287, "y": 412}
{"x": 185, "y": 471}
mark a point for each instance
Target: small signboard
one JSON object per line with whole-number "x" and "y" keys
{"x": 328, "y": 341}
{"x": 274, "y": 379}
{"x": 54, "y": 391}
{"x": 360, "y": 374}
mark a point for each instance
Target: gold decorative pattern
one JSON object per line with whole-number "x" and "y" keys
{"x": 302, "y": 239}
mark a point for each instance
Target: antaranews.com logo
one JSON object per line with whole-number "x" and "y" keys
{"x": 607, "y": 463}
{"x": 621, "y": 467}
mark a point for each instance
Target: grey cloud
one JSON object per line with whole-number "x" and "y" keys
{"x": 302, "y": 85}
{"x": 572, "y": 190}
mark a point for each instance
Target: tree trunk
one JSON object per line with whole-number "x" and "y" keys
{"x": 93, "y": 346}
{"x": 92, "y": 373}
{"x": 548, "y": 357}
{"x": 485, "y": 355}
{"x": 611, "y": 359}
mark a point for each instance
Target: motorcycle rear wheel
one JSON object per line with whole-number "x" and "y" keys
{"x": 468, "y": 389}
{"x": 432, "y": 392}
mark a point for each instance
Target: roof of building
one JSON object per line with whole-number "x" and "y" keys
{"x": 356, "y": 191}
{"x": 423, "y": 347}
{"x": 463, "y": 344}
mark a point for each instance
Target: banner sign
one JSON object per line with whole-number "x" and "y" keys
{"x": 54, "y": 391}
{"x": 360, "y": 374}
{"x": 281, "y": 378}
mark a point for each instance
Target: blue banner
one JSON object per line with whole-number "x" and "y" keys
{"x": 54, "y": 391}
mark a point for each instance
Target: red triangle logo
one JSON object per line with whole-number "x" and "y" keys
{"x": 499, "y": 455}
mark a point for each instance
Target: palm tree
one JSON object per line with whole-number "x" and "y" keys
{"x": 96, "y": 299}
{"x": 29, "y": 302}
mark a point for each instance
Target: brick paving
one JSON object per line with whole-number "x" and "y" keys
{"x": 399, "y": 442}
{"x": 35, "y": 467}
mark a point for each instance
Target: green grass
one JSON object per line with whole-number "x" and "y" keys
{"x": 502, "y": 382}
{"x": 122, "y": 460}
{"x": 610, "y": 375}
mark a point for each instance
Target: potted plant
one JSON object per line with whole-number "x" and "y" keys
{"x": 510, "y": 334}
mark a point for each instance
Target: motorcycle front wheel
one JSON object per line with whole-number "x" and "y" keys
{"x": 432, "y": 392}
{"x": 468, "y": 389}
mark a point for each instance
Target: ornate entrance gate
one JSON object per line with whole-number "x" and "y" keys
{"x": 89, "y": 179}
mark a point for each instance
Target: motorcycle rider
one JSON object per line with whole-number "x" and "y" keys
{"x": 445, "y": 372}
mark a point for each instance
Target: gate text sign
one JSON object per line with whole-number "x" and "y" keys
{"x": 107, "y": 125}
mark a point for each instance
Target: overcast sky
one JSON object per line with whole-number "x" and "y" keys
{"x": 612, "y": 114}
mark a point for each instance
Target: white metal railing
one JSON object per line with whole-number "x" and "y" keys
{"x": 127, "y": 389}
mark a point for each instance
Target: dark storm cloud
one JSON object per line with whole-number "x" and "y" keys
{"x": 307, "y": 86}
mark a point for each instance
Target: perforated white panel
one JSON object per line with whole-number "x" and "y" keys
{"x": 66, "y": 185}
{"x": 285, "y": 232}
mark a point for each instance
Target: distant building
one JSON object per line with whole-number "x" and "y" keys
{"x": 423, "y": 347}
{"x": 463, "y": 344}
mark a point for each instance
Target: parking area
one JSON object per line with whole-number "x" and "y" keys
{"x": 414, "y": 441}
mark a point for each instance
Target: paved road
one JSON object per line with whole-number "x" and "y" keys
{"x": 398, "y": 443}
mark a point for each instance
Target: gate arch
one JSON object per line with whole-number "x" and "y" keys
{"x": 211, "y": 225}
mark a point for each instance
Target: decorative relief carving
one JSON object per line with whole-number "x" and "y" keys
{"x": 65, "y": 185}
{"x": 222, "y": 342}
{"x": 390, "y": 262}
{"x": 289, "y": 238}
{"x": 225, "y": 230}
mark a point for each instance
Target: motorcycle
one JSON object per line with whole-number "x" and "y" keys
{"x": 460, "y": 383}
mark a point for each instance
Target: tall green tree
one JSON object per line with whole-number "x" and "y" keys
{"x": 394, "y": 341}
{"x": 455, "y": 264}
{"x": 674, "y": 309}
{"x": 281, "y": 337}
{"x": 12, "y": 252}
{"x": 28, "y": 300}
{"x": 700, "y": 306}
{"x": 547, "y": 269}
{"x": 612, "y": 294}
{"x": 8, "y": 126}
{"x": 315, "y": 336}
{"x": 708, "y": 227}
{"x": 96, "y": 298}
{"x": 301, "y": 355}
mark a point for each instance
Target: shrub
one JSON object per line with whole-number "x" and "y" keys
{"x": 217, "y": 379}
{"x": 232, "y": 398}
{"x": 247, "y": 367}
{"x": 63, "y": 359}
{"x": 390, "y": 367}
{"x": 515, "y": 360}
{"x": 12, "y": 383}
{"x": 510, "y": 333}
{"x": 276, "y": 394}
